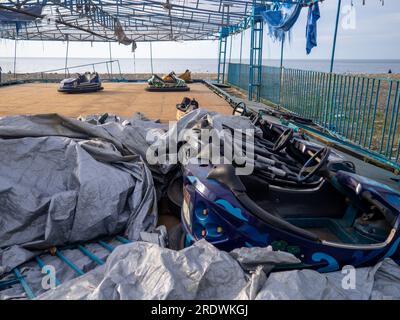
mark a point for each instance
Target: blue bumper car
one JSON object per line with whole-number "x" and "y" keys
{"x": 83, "y": 83}
{"x": 168, "y": 83}
{"x": 301, "y": 198}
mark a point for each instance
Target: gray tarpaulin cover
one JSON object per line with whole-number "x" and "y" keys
{"x": 65, "y": 181}
{"x": 147, "y": 271}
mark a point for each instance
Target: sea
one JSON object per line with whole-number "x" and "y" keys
{"x": 28, "y": 65}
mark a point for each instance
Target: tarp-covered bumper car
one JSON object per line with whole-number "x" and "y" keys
{"x": 88, "y": 82}
{"x": 301, "y": 198}
{"x": 168, "y": 83}
{"x": 186, "y": 76}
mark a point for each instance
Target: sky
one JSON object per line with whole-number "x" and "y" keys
{"x": 373, "y": 33}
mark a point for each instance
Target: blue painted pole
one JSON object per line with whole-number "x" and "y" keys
{"x": 281, "y": 73}
{"x": 335, "y": 36}
{"x": 123, "y": 240}
{"x": 42, "y": 265}
{"x": 241, "y": 46}
{"x": 332, "y": 62}
{"x": 24, "y": 284}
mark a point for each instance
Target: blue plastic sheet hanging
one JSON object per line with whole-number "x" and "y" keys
{"x": 311, "y": 30}
{"x": 280, "y": 17}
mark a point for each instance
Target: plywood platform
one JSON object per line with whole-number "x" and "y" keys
{"x": 123, "y": 99}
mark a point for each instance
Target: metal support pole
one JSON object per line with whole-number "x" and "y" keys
{"x": 119, "y": 69}
{"x": 134, "y": 62}
{"x": 241, "y": 47}
{"x": 328, "y": 98}
{"x": 151, "y": 57}
{"x": 256, "y": 44}
{"x": 15, "y": 59}
{"x": 222, "y": 55}
{"x": 240, "y": 55}
{"x": 335, "y": 35}
{"x": 111, "y": 67}
{"x": 224, "y": 33}
{"x": 230, "y": 50}
{"x": 66, "y": 59}
{"x": 281, "y": 72}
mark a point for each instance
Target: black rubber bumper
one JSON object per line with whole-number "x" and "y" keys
{"x": 167, "y": 89}
{"x": 80, "y": 90}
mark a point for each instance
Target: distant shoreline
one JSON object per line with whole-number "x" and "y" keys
{"x": 144, "y": 76}
{"x": 179, "y": 59}
{"x": 165, "y": 65}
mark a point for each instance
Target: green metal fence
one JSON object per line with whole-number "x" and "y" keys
{"x": 363, "y": 110}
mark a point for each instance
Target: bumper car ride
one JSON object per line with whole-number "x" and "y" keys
{"x": 187, "y": 105}
{"x": 168, "y": 83}
{"x": 186, "y": 76}
{"x": 301, "y": 198}
{"x": 88, "y": 82}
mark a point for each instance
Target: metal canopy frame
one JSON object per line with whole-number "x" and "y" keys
{"x": 141, "y": 20}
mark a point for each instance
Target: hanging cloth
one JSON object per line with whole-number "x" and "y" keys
{"x": 120, "y": 34}
{"x": 280, "y": 17}
{"x": 311, "y": 29}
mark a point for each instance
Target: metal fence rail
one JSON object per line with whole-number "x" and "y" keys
{"x": 363, "y": 110}
{"x": 109, "y": 70}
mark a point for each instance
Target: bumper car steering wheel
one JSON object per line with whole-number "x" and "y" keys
{"x": 240, "y": 109}
{"x": 314, "y": 164}
{"x": 283, "y": 140}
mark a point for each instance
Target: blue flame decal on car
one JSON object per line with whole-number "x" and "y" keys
{"x": 231, "y": 209}
{"x": 332, "y": 263}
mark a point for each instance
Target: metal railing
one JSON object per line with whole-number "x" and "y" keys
{"x": 363, "y": 110}
{"x": 66, "y": 71}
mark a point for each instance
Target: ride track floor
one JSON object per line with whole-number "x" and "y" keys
{"x": 122, "y": 99}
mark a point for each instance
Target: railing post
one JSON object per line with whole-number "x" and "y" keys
{"x": 281, "y": 74}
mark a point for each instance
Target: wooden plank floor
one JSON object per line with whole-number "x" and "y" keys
{"x": 123, "y": 99}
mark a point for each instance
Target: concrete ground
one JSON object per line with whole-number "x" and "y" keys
{"x": 123, "y": 99}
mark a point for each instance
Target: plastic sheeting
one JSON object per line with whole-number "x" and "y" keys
{"x": 311, "y": 30}
{"x": 280, "y": 18}
{"x": 64, "y": 181}
{"x": 146, "y": 271}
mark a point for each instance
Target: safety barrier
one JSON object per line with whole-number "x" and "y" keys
{"x": 109, "y": 70}
{"x": 363, "y": 110}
